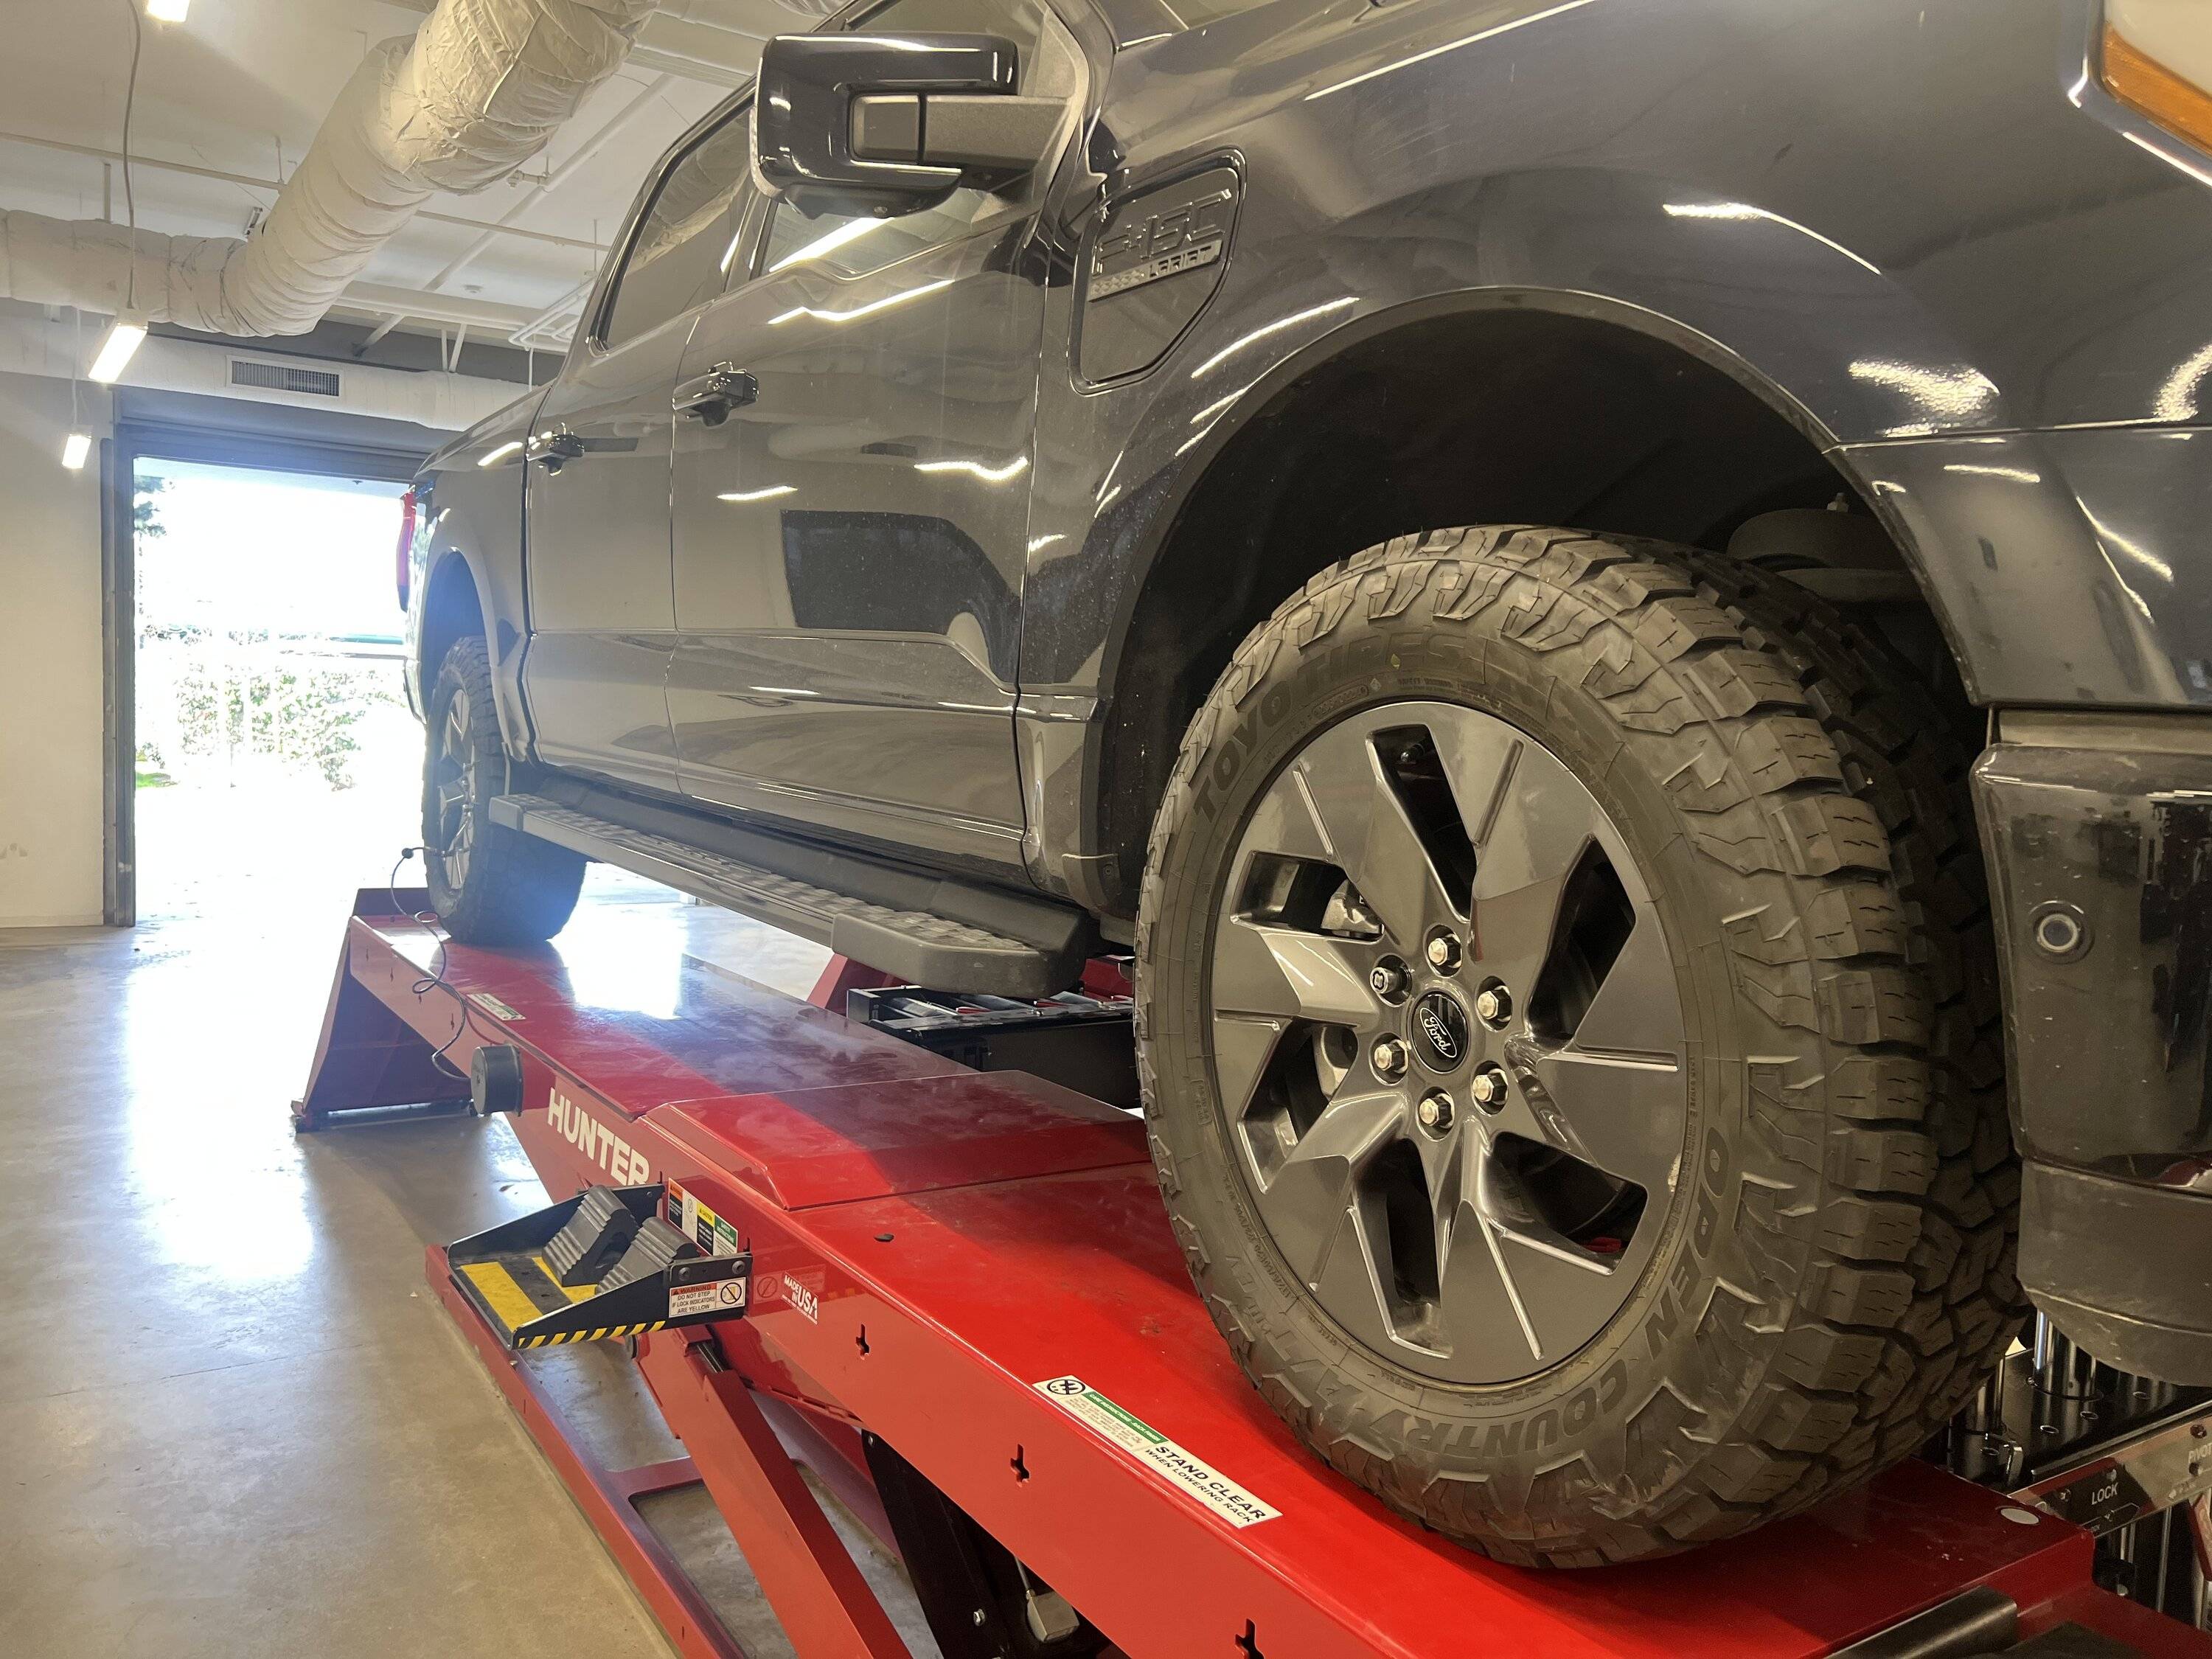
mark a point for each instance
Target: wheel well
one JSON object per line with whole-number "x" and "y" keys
{"x": 1514, "y": 416}
{"x": 451, "y": 610}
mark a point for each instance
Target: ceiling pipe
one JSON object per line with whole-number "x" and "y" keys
{"x": 478, "y": 92}
{"x": 107, "y": 158}
{"x": 710, "y": 53}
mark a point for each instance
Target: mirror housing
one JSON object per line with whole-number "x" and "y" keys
{"x": 891, "y": 124}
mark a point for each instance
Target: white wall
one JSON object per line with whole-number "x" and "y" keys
{"x": 50, "y": 674}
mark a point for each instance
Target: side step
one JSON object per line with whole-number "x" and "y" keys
{"x": 609, "y": 1262}
{"x": 923, "y": 945}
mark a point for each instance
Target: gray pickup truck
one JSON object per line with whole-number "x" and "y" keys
{"x": 1612, "y": 595}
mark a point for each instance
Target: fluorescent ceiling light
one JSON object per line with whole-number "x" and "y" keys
{"x": 167, "y": 11}
{"x": 74, "y": 451}
{"x": 125, "y": 336}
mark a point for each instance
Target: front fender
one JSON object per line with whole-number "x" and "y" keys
{"x": 476, "y": 524}
{"x": 1894, "y": 223}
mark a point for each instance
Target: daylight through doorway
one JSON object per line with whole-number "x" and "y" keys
{"x": 277, "y": 765}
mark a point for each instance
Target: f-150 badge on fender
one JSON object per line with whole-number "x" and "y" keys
{"x": 1163, "y": 244}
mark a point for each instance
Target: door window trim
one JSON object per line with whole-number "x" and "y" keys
{"x": 737, "y": 106}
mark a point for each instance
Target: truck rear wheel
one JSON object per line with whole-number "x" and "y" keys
{"x": 489, "y": 884}
{"x": 1570, "y": 1040}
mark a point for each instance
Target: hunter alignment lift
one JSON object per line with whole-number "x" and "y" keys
{"x": 953, "y": 1294}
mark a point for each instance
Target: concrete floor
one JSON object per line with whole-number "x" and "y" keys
{"x": 233, "y": 1419}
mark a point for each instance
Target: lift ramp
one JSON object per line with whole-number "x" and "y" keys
{"x": 965, "y": 1302}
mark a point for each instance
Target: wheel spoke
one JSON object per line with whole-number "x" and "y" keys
{"x": 1307, "y": 1198}
{"x": 1285, "y": 822}
{"x": 1562, "y": 1294}
{"x": 1482, "y": 1317}
{"x": 1536, "y": 837}
{"x": 1637, "y": 1010}
{"x": 1621, "y": 1116}
{"x": 1482, "y": 758}
{"x": 1285, "y": 973}
{"x": 1369, "y": 836}
{"x": 1349, "y": 1282}
{"x": 1242, "y": 1048}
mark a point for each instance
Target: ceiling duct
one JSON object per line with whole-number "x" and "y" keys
{"x": 474, "y": 94}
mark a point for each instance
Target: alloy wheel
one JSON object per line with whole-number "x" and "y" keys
{"x": 1449, "y": 1038}
{"x": 452, "y": 831}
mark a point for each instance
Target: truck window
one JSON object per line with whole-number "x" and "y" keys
{"x": 689, "y": 236}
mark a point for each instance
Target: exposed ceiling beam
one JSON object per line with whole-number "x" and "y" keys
{"x": 536, "y": 188}
{"x": 379, "y": 300}
{"x": 557, "y": 322}
{"x": 272, "y": 187}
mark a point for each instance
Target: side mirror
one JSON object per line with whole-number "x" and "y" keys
{"x": 890, "y": 124}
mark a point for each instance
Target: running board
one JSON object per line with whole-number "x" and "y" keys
{"x": 918, "y": 945}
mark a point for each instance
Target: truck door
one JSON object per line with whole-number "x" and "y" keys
{"x": 849, "y": 544}
{"x": 602, "y": 612}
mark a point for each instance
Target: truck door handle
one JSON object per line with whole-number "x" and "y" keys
{"x": 552, "y": 450}
{"x": 711, "y": 396}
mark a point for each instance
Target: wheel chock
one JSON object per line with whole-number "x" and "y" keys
{"x": 606, "y": 1263}
{"x": 592, "y": 1241}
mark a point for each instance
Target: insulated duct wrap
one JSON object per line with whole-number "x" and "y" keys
{"x": 473, "y": 96}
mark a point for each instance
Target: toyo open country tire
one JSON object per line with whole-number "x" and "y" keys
{"x": 1720, "y": 837}
{"x": 489, "y": 884}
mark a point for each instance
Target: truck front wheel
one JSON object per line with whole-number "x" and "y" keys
{"x": 488, "y": 884}
{"x": 1570, "y": 1041}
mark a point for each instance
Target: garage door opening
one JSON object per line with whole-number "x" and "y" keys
{"x": 276, "y": 766}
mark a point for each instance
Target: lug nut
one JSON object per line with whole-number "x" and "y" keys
{"x": 1493, "y": 1005}
{"x": 1435, "y": 1112}
{"x": 1443, "y": 953}
{"x": 1386, "y": 979}
{"x": 1389, "y": 1057}
{"x": 1489, "y": 1089}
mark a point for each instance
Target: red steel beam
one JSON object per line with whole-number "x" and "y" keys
{"x": 607, "y": 1497}
{"x": 809, "y": 1579}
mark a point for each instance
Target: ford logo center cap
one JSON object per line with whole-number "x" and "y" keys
{"x": 1440, "y": 1031}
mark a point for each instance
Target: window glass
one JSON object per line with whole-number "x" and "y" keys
{"x": 853, "y": 247}
{"x": 1014, "y": 19}
{"x": 684, "y": 246}
{"x": 1196, "y": 14}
